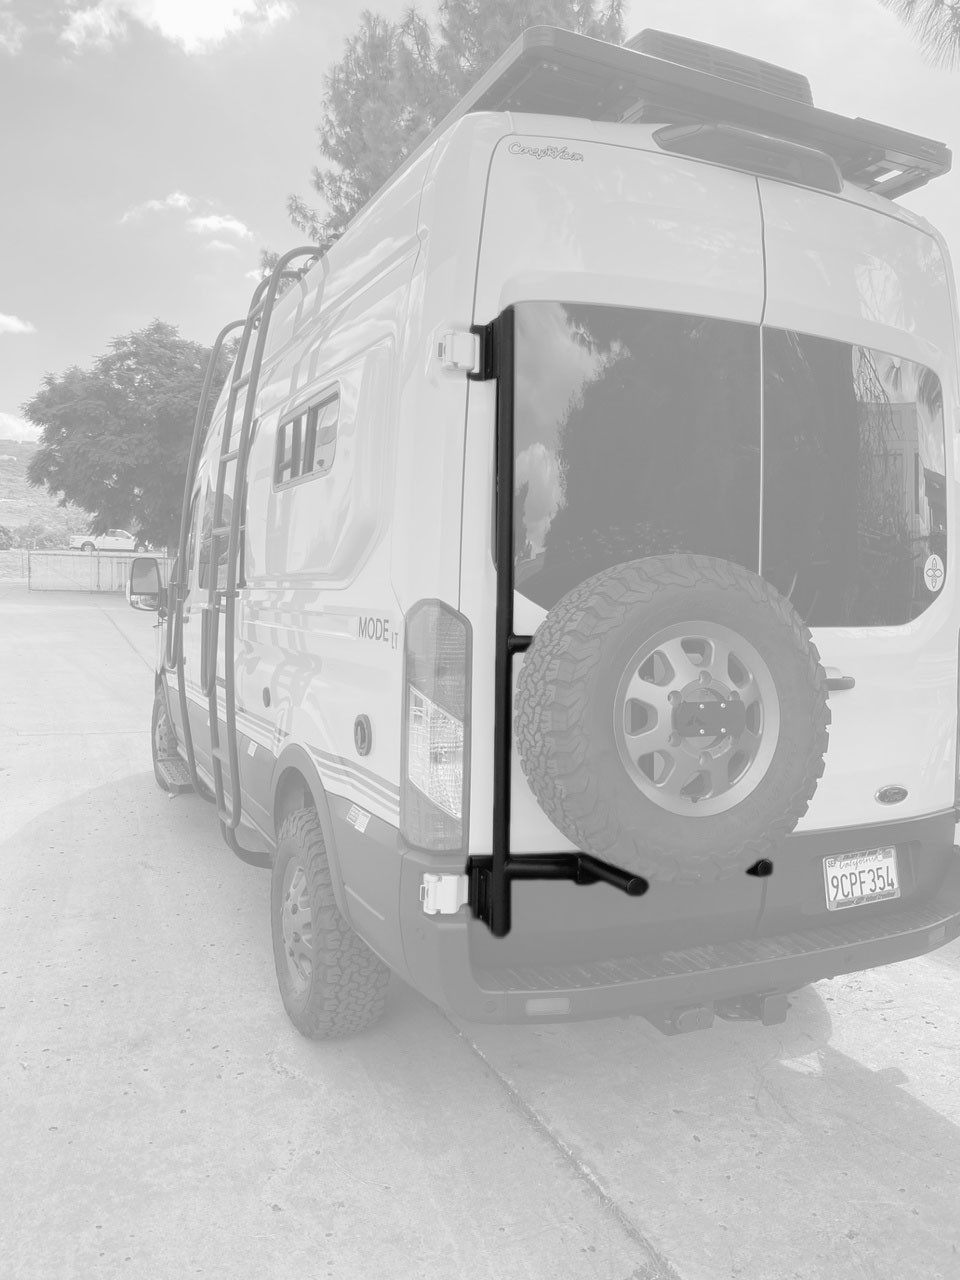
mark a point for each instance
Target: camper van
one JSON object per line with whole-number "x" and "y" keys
{"x": 565, "y": 610}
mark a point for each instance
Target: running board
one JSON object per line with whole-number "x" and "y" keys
{"x": 175, "y": 773}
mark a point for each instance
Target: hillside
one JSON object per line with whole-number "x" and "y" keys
{"x": 31, "y": 511}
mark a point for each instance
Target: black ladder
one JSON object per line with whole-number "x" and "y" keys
{"x": 225, "y": 535}
{"x": 222, "y": 597}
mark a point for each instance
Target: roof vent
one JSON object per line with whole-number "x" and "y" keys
{"x": 724, "y": 63}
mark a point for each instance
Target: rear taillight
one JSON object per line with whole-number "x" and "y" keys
{"x": 435, "y": 786}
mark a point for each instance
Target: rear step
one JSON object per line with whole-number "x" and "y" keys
{"x": 175, "y": 773}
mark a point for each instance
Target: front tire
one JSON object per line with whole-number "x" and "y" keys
{"x": 163, "y": 738}
{"x": 331, "y": 983}
{"x": 88, "y": 547}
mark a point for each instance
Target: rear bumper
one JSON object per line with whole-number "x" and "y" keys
{"x": 438, "y": 962}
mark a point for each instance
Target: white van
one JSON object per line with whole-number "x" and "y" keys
{"x": 565, "y": 608}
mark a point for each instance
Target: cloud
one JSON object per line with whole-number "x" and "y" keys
{"x": 175, "y": 200}
{"x": 12, "y": 30}
{"x": 13, "y": 324}
{"x": 222, "y": 223}
{"x": 14, "y": 428}
{"x": 197, "y": 27}
{"x": 99, "y": 27}
{"x": 222, "y": 232}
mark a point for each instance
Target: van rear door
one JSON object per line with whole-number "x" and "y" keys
{"x": 860, "y": 396}
{"x": 605, "y": 249}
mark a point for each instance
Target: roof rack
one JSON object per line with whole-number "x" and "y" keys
{"x": 549, "y": 71}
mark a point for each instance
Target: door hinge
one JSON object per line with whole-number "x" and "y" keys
{"x": 443, "y": 895}
{"x": 460, "y": 351}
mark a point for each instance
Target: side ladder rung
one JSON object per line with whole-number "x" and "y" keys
{"x": 231, "y": 456}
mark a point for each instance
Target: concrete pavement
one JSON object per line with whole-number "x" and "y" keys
{"x": 162, "y": 1118}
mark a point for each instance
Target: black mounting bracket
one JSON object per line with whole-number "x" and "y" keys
{"x": 489, "y": 895}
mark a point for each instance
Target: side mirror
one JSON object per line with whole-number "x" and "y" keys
{"x": 145, "y": 584}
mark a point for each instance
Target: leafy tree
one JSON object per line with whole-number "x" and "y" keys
{"x": 396, "y": 81}
{"x": 7, "y": 538}
{"x": 36, "y": 536}
{"x": 116, "y": 438}
{"x": 937, "y": 25}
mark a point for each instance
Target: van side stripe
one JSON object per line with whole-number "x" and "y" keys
{"x": 271, "y": 737}
{"x": 344, "y": 769}
{"x": 338, "y": 783}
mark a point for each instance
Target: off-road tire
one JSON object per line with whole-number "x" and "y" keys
{"x": 163, "y": 737}
{"x": 347, "y": 987}
{"x": 564, "y": 718}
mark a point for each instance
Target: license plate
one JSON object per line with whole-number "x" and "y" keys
{"x": 852, "y": 879}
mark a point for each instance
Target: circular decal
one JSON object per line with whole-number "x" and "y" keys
{"x": 933, "y": 573}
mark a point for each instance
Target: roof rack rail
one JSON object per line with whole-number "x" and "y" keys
{"x": 549, "y": 71}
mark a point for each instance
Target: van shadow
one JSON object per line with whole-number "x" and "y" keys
{"x": 769, "y": 1135}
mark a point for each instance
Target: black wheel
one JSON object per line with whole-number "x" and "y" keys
{"x": 88, "y": 546}
{"x": 331, "y": 983}
{"x": 163, "y": 738}
{"x": 672, "y": 717}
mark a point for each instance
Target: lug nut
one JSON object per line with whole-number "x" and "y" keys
{"x": 674, "y": 740}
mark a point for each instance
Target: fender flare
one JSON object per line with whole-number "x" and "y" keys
{"x": 295, "y": 757}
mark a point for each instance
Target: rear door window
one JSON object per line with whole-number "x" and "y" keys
{"x": 855, "y": 521}
{"x": 636, "y": 433}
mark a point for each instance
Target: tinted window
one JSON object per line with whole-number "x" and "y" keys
{"x": 307, "y": 443}
{"x": 206, "y": 534}
{"x": 854, "y": 481}
{"x": 637, "y": 433}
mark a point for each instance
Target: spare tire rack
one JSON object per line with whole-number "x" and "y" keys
{"x": 490, "y": 876}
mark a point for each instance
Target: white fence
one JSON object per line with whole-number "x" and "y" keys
{"x": 13, "y": 565}
{"x": 84, "y": 570}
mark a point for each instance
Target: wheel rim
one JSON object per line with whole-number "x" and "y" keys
{"x": 296, "y": 921}
{"x": 696, "y": 669}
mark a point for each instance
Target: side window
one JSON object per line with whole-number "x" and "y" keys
{"x": 206, "y": 535}
{"x": 307, "y": 442}
{"x": 184, "y": 571}
{"x": 206, "y": 539}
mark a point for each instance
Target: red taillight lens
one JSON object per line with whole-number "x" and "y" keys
{"x": 435, "y": 785}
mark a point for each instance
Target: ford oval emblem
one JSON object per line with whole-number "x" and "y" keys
{"x": 891, "y": 795}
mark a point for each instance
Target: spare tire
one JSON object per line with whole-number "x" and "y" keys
{"x": 671, "y": 717}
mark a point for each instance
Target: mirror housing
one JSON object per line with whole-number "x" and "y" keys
{"x": 145, "y": 588}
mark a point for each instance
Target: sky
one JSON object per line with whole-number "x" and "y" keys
{"x": 148, "y": 146}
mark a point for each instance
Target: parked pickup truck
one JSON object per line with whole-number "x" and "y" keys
{"x": 112, "y": 540}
